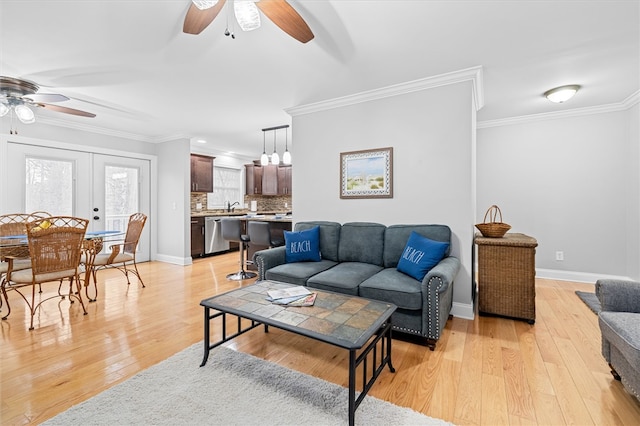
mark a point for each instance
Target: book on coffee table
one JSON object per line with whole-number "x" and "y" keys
{"x": 287, "y": 293}
{"x": 304, "y": 301}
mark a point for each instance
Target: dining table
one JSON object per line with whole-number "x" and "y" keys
{"x": 17, "y": 246}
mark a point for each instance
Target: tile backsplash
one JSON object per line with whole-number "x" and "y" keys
{"x": 281, "y": 203}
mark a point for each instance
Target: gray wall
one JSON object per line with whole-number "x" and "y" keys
{"x": 573, "y": 184}
{"x": 174, "y": 180}
{"x": 432, "y": 135}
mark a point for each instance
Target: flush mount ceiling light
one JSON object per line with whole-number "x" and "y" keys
{"x": 562, "y": 93}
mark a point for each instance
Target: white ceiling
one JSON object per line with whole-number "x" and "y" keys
{"x": 129, "y": 62}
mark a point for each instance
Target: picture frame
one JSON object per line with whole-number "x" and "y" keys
{"x": 366, "y": 174}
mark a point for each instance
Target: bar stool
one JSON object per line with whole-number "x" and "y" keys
{"x": 232, "y": 231}
{"x": 260, "y": 234}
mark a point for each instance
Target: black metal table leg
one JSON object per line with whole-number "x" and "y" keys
{"x": 352, "y": 387}
{"x": 206, "y": 337}
{"x": 393, "y": 370}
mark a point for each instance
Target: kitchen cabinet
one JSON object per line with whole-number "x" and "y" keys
{"x": 253, "y": 179}
{"x": 284, "y": 180}
{"x": 267, "y": 180}
{"x": 201, "y": 173}
{"x": 270, "y": 180}
{"x": 197, "y": 236}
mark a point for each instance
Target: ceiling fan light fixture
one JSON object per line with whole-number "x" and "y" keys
{"x": 204, "y": 4}
{"x": 4, "y": 109}
{"x": 24, "y": 114}
{"x": 562, "y": 94}
{"x": 247, "y": 15}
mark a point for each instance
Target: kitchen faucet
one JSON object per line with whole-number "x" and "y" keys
{"x": 230, "y": 207}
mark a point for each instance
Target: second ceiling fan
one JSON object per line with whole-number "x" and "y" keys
{"x": 202, "y": 13}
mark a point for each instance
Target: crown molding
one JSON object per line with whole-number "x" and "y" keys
{"x": 93, "y": 129}
{"x": 627, "y": 103}
{"x": 473, "y": 74}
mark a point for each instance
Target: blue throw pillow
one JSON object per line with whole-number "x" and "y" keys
{"x": 303, "y": 246}
{"x": 420, "y": 255}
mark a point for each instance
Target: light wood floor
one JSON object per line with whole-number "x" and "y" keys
{"x": 490, "y": 371}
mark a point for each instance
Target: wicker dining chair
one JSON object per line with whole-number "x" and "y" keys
{"x": 11, "y": 225}
{"x": 55, "y": 247}
{"x": 122, "y": 255}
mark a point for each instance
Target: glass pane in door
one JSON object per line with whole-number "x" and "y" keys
{"x": 121, "y": 196}
{"x": 49, "y": 186}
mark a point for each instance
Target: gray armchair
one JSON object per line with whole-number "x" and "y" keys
{"x": 619, "y": 323}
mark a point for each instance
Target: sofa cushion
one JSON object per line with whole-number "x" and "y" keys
{"x": 302, "y": 246}
{"x": 420, "y": 255}
{"x": 392, "y": 286}
{"x": 622, "y": 330}
{"x": 362, "y": 242}
{"x": 396, "y": 237}
{"x": 329, "y": 237}
{"x": 297, "y": 273}
{"x": 344, "y": 277}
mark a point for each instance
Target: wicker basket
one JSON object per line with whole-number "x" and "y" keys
{"x": 493, "y": 229}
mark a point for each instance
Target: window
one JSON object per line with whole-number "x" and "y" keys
{"x": 226, "y": 188}
{"x": 49, "y": 186}
{"x": 121, "y": 196}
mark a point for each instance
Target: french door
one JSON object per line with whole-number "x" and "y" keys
{"x": 105, "y": 189}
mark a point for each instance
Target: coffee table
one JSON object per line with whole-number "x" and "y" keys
{"x": 341, "y": 320}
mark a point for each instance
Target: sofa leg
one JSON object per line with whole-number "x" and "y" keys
{"x": 431, "y": 344}
{"x": 614, "y": 373}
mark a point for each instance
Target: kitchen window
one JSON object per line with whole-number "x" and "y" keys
{"x": 226, "y": 188}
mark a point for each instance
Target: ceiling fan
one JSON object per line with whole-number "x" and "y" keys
{"x": 202, "y": 13}
{"x": 20, "y": 95}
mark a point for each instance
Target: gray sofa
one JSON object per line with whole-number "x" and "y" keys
{"x": 360, "y": 258}
{"x": 619, "y": 322}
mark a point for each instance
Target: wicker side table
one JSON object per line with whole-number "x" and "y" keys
{"x": 506, "y": 276}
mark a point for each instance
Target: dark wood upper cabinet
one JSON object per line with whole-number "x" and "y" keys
{"x": 267, "y": 180}
{"x": 284, "y": 180}
{"x": 270, "y": 180}
{"x": 253, "y": 179}
{"x": 201, "y": 173}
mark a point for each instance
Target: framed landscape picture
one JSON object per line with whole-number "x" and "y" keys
{"x": 367, "y": 174}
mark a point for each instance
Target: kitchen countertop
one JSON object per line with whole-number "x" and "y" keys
{"x": 266, "y": 216}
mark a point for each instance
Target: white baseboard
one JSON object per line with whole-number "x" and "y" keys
{"x": 186, "y": 261}
{"x": 462, "y": 310}
{"x": 582, "y": 277}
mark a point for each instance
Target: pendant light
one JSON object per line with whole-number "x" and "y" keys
{"x": 275, "y": 158}
{"x": 264, "y": 160}
{"x": 286, "y": 157}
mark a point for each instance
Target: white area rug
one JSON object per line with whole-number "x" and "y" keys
{"x": 232, "y": 389}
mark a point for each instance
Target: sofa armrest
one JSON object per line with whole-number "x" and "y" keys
{"x": 619, "y": 295}
{"x": 269, "y": 258}
{"x": 446, "y": 270}
{"x": 437, "y": 295}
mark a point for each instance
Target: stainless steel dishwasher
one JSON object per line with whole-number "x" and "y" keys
{"x": 213, "y": 241}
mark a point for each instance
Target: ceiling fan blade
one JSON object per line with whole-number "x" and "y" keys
{"x": 197, "y": 20}
{"x": 283, "y": 15}
{"x": 47, "y": 97}
{"x": 66, "y": 110}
